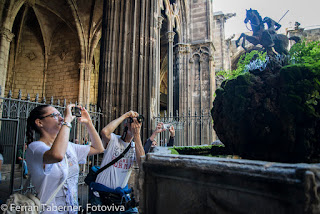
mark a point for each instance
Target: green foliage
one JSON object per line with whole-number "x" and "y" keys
{"x": 305, "y": 52}
{"x": 302, "y": 89}
{"x": 199, "y": 150}
{"x": 193, "y": 150}
{"x": 173, "y": 151}
{"x": 243, "y": 62}
{"x": 312, "y": 102}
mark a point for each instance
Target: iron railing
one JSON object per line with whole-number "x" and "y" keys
{"x": 190, "y": 128}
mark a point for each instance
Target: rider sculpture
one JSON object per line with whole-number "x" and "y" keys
{"x": 273, "y": 26}
{"x": 268, "y": 38}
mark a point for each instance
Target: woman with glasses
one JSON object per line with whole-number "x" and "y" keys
{"x": 52, "y": 158}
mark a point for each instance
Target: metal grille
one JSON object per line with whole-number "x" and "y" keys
{"x": 13, "y": 122}
{"x": 190, "y": 129}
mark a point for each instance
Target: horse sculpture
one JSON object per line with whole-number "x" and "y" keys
{"x": 262, "y": 36}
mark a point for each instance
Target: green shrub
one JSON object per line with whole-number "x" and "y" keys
{"x": 305, "y": 52}
{"x": 173, "y": 151}
{"x": 243, "y": 62}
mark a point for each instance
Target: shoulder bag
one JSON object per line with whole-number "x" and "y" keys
{"x": 29, "y": 204}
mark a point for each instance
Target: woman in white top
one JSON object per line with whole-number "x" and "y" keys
{"x": 46, "y": 157}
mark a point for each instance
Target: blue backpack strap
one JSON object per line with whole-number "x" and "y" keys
{"x": 95, "y": 168}
{"x": 123, "y": 191}
{"x": 102, "y": 188}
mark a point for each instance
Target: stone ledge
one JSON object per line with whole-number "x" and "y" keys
{"x": 221, "y": 185}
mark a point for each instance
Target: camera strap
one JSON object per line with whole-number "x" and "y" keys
{"x": 123, "y": 137}
{"x": 114, "y": 160}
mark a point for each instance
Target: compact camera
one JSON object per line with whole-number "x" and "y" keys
{"x": 166, "y": 126}
{"x": 76, "y": 111}
{"x": 140, "y": 119}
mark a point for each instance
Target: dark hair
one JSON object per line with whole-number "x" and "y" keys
{"x": 36, "y": 113}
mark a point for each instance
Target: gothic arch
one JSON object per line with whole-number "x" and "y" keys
{"x": 13, "y": 10}
{"x": 22, "y": 55}
{"x": 80, "y": 30}
{"x": 239, "y": 53}
{"x": 170, "y": 34}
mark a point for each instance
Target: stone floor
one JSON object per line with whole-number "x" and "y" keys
{"x": 5, "y": 182}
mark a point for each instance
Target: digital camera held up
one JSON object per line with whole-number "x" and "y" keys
{"x": 76, "y": 111}
{"x": 166, "y": 126}
{"x": 140, "y": 119}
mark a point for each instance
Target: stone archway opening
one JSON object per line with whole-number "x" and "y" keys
{"x": 168, "y": 72}
{"x": 163, "y": 63}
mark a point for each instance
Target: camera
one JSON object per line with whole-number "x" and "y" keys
{"x": 140, "y": 119}
{"x": 76, "y": 111}
{"x": 166, "y": 126}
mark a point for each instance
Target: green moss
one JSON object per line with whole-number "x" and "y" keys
{"x": 193, "y": 150}
{"x": 201, "y": 150}
{"x": 173, "y": 151}
{"x": 301, "y": 89}
{"x": 245, "y": 79}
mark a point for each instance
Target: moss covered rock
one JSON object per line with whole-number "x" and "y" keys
{"x": 271, "y": 115}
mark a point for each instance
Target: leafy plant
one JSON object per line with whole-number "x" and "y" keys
{"x": 305, "y": 52}
{"x": 173, "y": 151}
{"x": 254, "y": 56}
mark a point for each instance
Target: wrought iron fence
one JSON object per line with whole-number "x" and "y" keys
{"x": 13, "y": 122}
{"x": 190, "y": 128}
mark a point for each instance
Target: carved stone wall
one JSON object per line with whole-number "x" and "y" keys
{"x": 194, "y": 77}
{"x": 200, "y": 20}
{"x": 62, "y": 78}
{"x": 221, "y": 43}
{"x": 27, "y": 72}
{"x": 5, "y": 39}
{"x": 308, "y": 35}
{"x": 222, "y": 58}
{"x": 94, "y": 79}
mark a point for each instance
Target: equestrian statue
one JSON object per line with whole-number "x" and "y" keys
{"x": 268, "y": 38}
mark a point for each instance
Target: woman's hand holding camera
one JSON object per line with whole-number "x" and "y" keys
{"x": 135, "y": 127}
{"x": 72, "y": 111}
{"x": 68, "y": 117}
{"x": 85, "y": 116}
{"x": 132, "y": 114}
{"x": 172, "y": 132}
{"x": 159, "y": 128}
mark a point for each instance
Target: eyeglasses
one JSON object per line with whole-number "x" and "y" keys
{"x": 55, "y": 115}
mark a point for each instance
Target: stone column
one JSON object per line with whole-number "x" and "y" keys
{"x": 181, "y": 84}
{"x": 222, "y": 56}
{"x": 212, "y": 134}
{"x": 159, "y": 25}
{"x": 170, "y": 35}
{"x": 84, "y": 84}
{"x": 5, "y": 38}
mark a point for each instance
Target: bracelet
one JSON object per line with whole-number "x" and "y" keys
{"x": 67, "y": 124}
